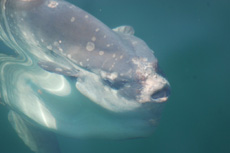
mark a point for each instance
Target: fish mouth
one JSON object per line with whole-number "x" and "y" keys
{"x": 161, "y": 95}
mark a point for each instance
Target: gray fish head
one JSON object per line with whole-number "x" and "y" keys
{"x": 135, "y": 79}
{"x": 145, "y": 85}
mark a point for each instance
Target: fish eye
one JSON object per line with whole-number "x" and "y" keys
{"x": 115, "y": 84}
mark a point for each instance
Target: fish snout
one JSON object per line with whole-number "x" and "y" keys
{"x": 161, "y": 95}
{"x": 154, "y": 89}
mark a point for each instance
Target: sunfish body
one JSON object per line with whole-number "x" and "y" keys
{"x": 117, "y": 71}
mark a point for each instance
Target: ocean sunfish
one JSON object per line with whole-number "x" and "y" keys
{"x": 112, "y": 68}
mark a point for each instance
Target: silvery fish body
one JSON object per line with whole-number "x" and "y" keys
{"x": 73, "y": 75}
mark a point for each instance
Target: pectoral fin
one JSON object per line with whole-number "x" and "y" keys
{"x": 56, "y": 68}
{"x": 38, "y": 140}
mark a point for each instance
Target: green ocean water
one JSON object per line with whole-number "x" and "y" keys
{"x": 191, "y": 40}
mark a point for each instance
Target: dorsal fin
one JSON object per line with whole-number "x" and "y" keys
{"x": 125, "y": 30}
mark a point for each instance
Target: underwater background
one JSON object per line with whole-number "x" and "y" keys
{"x": 191, "y": 40}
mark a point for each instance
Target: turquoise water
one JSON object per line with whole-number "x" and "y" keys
{"x": 191, "y": 40}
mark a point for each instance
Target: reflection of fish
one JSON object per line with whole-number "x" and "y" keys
{"x": 113, "y": 68}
